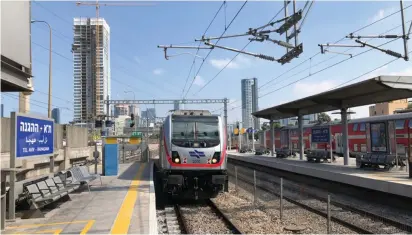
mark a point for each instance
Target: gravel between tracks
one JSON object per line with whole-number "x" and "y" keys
{"x": 360, "y": 220}
{"x": 201, "y": 219}
{"x": 161, "y": 222}
{"x": 264, "y": 219}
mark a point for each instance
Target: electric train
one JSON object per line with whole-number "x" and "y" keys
{"x": 192, "y": 155}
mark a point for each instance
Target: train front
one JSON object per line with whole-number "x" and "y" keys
{"x": 195, "y": 149}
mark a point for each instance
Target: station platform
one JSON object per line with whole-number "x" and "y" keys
{"x": 393, "y": 182}
{"x": 124, "y": 204}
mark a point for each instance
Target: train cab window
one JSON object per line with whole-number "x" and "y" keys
{"x": 400, "y": 124}
{"x": 362, "y": 127}
{"x": 355, "y": 127}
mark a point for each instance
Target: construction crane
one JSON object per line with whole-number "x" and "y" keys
{"x": 97, "y": 57}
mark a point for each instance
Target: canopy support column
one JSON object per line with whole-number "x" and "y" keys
{"x": 344, "y": 117}
{"x": 272, "y": 138}
{"x": 301, "y": 144}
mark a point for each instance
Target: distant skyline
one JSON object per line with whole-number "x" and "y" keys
{"x": 137, "y": 64}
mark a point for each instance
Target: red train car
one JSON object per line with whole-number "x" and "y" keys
{"x": 388, "y": 133}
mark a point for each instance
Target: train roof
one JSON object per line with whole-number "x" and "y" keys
{"x": 191, "y": 113}
{"x": 400, "y": 116}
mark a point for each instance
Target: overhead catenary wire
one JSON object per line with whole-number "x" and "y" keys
{"x": 331, "y": 66}
{"x": 234, "y": 57}
{"x": 327, "y": 67}
{"x": 343, "y": 38}
{"x": 197, "y": 51}
{"x": 201, "y": 65}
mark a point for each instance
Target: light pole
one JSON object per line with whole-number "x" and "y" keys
{"x": 50, "y": 65}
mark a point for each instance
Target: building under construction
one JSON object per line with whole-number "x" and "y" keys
{"x": 91, "y": 72}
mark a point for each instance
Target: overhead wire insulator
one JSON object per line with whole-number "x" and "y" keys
{"x": 266, "y": 57}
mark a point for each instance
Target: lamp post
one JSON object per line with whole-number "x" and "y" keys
{"x": 50, "y": 65}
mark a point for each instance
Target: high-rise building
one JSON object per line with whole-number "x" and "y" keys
{"x": 121, "y": 109}
{"x": 91, "y": 85}
{"x": 56, "y": 115}
{"x": 249, "y": 90}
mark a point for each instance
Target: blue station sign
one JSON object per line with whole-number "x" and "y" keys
{"x": 320, "y": 135}
{"x": 34, "y": 137}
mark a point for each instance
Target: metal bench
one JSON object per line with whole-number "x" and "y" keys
{"x": 80, "y": 174}
{"x": 374, "y": 160}
{"x": 317, "y": 155}
{"x": 40, "y": 195}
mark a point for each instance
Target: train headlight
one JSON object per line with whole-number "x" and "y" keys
{"x": 216, "y": 158}
{"x": 175, "y": 157}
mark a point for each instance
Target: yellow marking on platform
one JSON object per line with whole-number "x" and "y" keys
{"x": 50, "y": 224}
{"x": 57, "y": 231}
{"x": 54, "y": 231}
{"x": 87, "y": 227}
{"x": 124, "y": 216}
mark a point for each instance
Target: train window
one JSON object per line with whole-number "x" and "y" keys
{"x": 410, "y": 123}
{"x": 362, "y": 127}
{"x": 355, "y": 127}
{"x": 183, "y": 130}
{"x": 207, "y": 130}
{"x": 400, "y": 124}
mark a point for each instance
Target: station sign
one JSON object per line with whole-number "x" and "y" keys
{"x": 320, "y": 135}
{"x": 33, "y": 136}
{"x": 136, "y": 134}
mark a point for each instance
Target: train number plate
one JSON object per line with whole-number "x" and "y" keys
{"x": 196, "y": 160}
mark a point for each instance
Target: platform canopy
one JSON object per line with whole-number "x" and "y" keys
{"x": 375, "y": 90}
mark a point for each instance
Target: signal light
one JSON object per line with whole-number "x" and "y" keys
{"x": 132, "y": 116}
{"x": 132, "y": 124}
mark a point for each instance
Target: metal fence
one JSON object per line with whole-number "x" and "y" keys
{"x": 314, "y": 209}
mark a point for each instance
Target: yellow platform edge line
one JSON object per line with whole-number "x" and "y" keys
{"x": 40, "y": 225}
{"x": 124, "y": 216}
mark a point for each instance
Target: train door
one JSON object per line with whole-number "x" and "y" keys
{"x": 338, "y": 143}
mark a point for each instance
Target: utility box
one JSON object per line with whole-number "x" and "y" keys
{"x": 110, "y": 157}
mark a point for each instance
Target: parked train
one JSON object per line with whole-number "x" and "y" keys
{"x": 192, "y": 155}
{"x": 386, "y": 133}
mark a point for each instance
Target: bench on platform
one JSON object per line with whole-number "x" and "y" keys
{"x": 284, "y": 153}
{"x": 43, "y": 193}
{"x": 374, "y": 160}
{"x": 80, "y": 174}
{"x": 317, "y": 155}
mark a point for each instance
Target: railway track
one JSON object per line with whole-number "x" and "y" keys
{"x": 181, "y": 219}
{"x": 353, "y": 218}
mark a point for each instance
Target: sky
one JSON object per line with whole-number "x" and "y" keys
{"x": 138, "y": 65}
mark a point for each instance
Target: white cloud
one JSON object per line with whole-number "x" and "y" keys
{"x": 158, "y": 71}
{"x": 240, "y": 61}
{"x": 303, "y": 89}
{"x": 199, "y": 81}
{"x": 382, "y": 13}
{"x": 221, "y": 63}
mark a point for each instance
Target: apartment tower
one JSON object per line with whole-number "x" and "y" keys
{"x": 91, "y": 57}
{"x": 249, "y": 90}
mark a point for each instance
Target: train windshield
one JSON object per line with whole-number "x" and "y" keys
{"x": 196, "y": 132}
